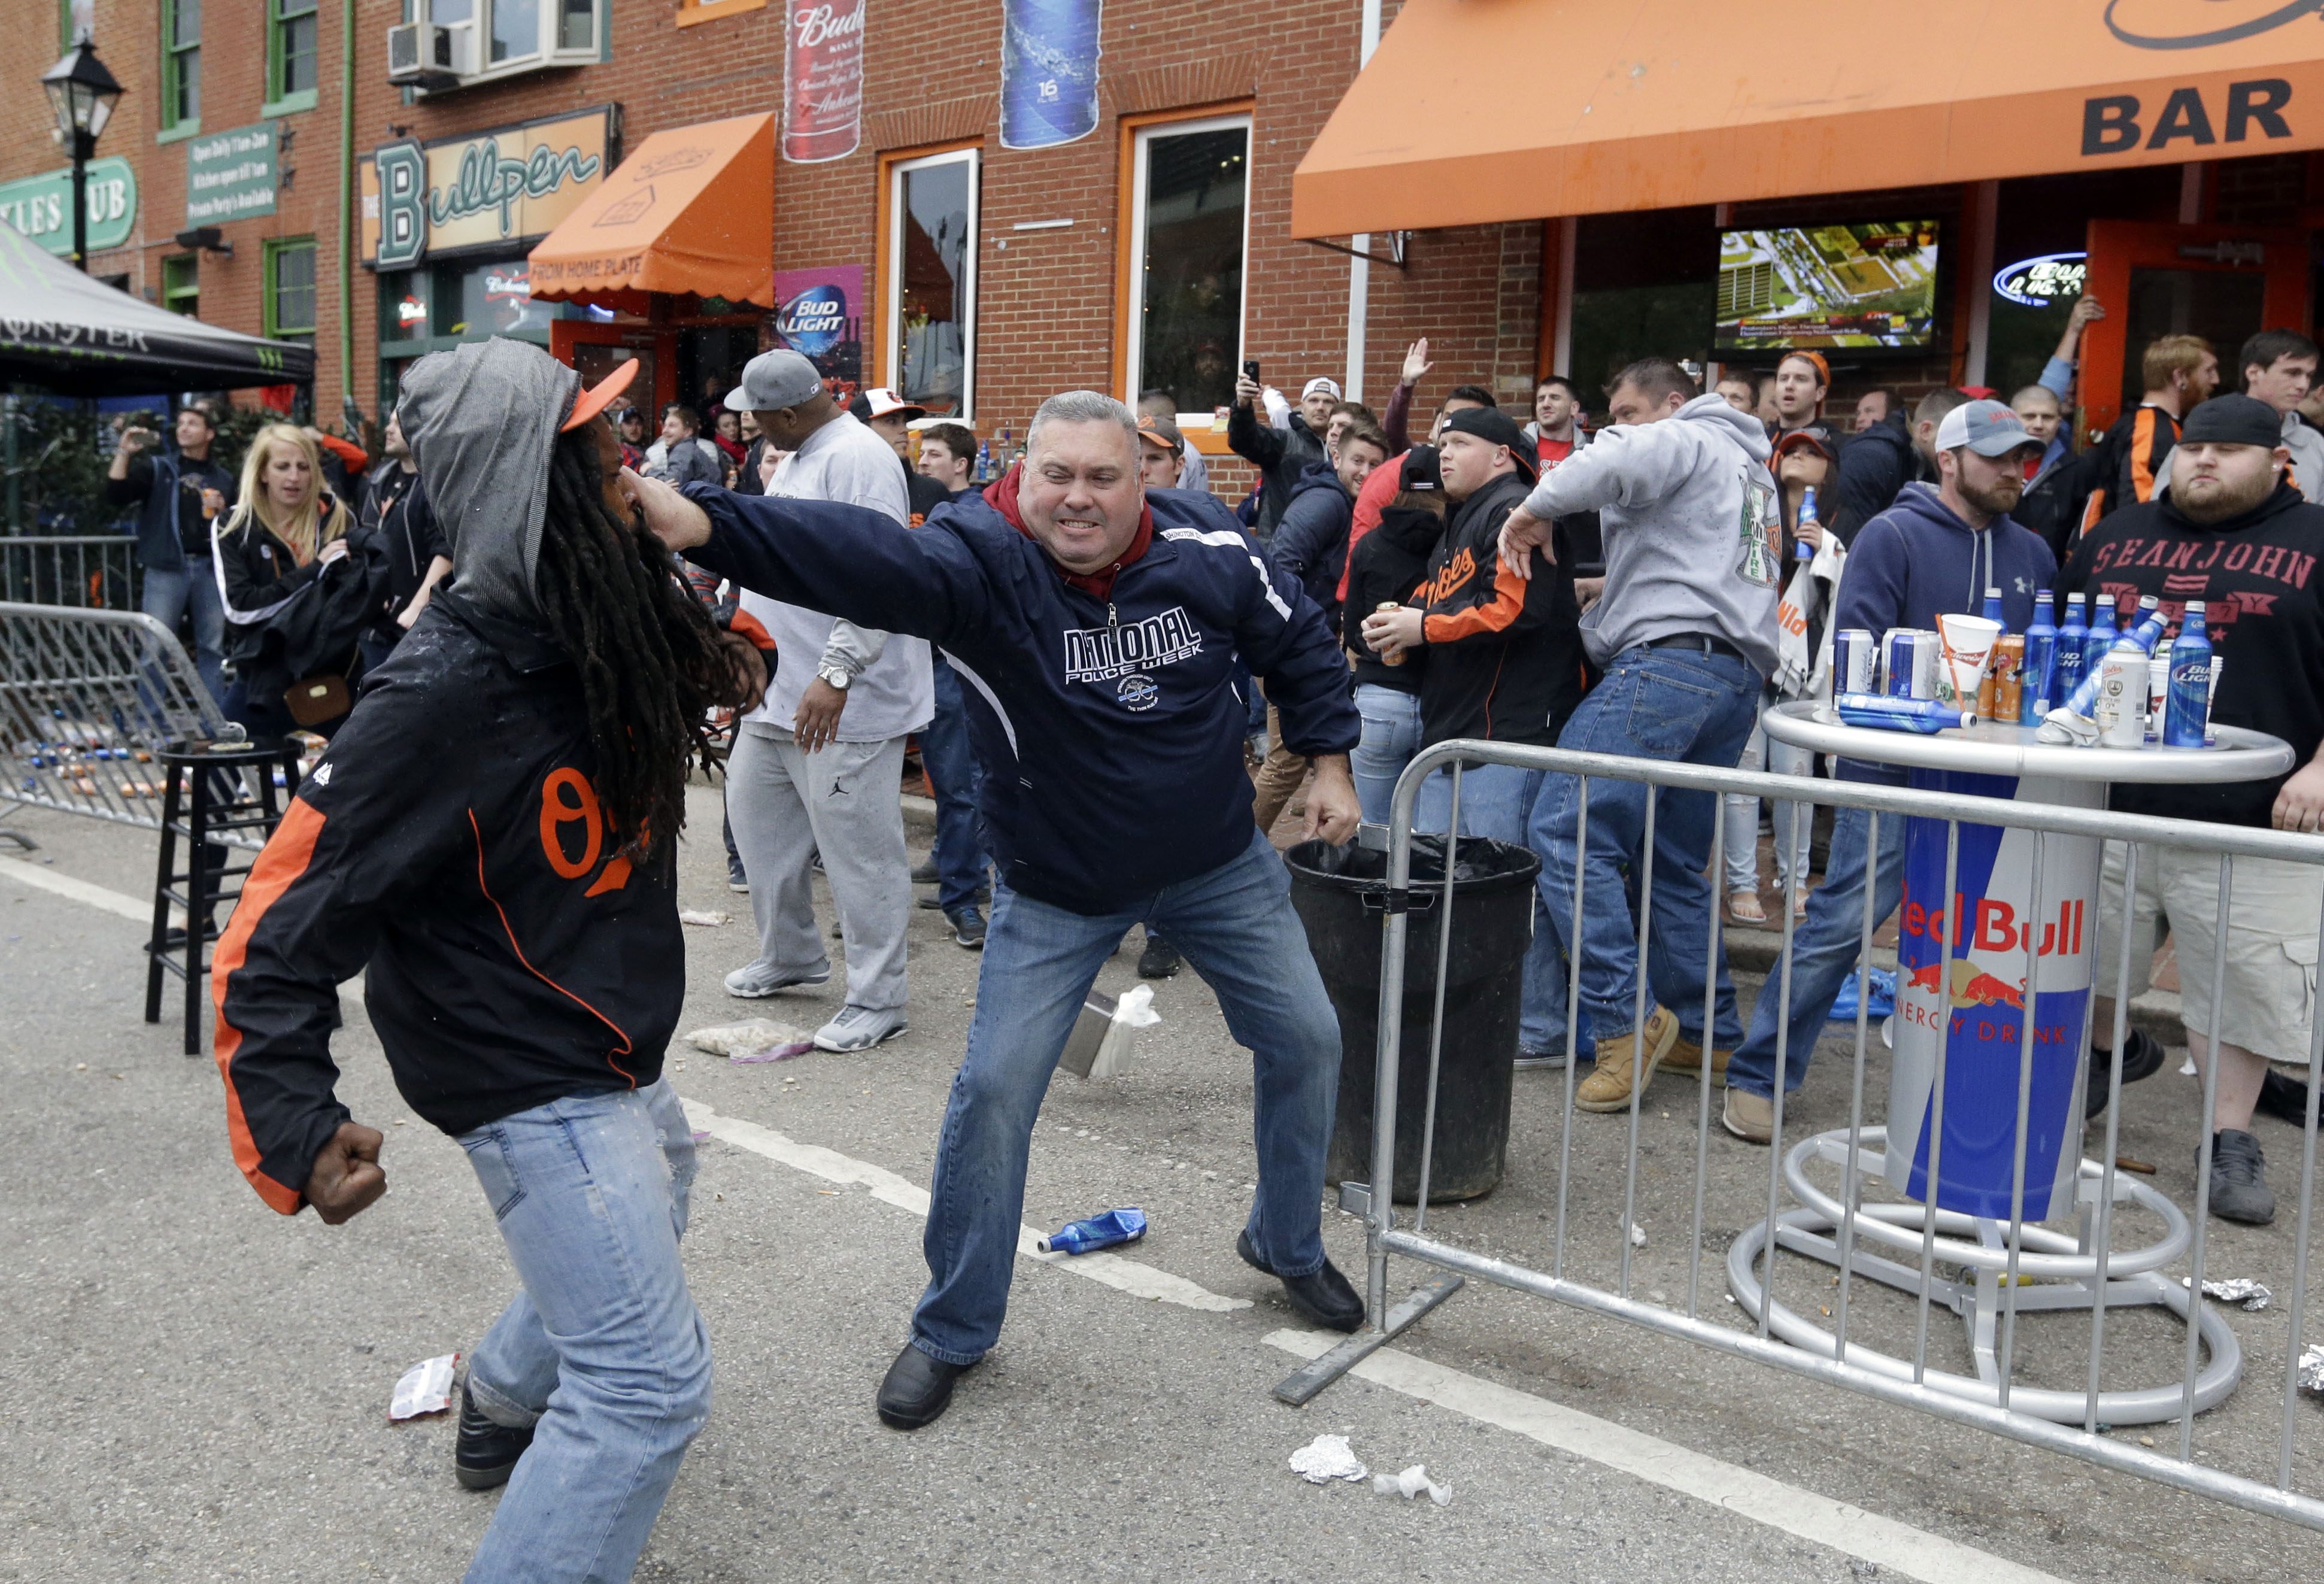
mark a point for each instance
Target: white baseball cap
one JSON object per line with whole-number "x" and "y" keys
{"x": 879, "y": 402}
{"x": 1324, "y": 382}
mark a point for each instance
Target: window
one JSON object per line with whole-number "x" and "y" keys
{"x": 181, "y": 284}
{"x": 289, "y": 290}
{"x": 1188, "y": 186}
{"x": 290, "y": 55}
{"x": 930, "y": 286}
{"x": 182, "y": 64}
{"x": 521, "y": 35}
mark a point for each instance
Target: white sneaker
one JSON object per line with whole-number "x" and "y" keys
{"x": 858, "y": 1028}
{"x": 754, "y": 980}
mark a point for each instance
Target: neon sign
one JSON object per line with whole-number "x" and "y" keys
{"x": 2033, "y": 282}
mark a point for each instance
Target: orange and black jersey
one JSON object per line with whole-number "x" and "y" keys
{"x": 452, "y": 843}
{"x": 2129, "y": 460}
{"x": 1504, "y": 651}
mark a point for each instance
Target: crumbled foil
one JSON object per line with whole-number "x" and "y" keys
{"x": 1326, "y": 1459}
{"x": 2252, "y": 1296}
{"x": 2311, "y": 1370}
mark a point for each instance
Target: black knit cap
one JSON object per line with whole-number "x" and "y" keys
{"x": 1495, "y": 427}
{"x": 2234, "y": 420}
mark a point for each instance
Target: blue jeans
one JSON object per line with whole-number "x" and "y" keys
{"x": 1680, "y": 706}
{"x": 1823, "y": 951}
{"x": 171, "y": 596}
{"x": 956, "y": 778}
{"x": 1236, "y": 926}
{"x": 602, "y": 1352}
{"x": 1391, "y": 737}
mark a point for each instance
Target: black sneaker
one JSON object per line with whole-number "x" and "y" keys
{"x": 2143, "y": 1056}
{"x": 967, "y": 928}
{"x": 486, "y": 1451}
{"x": 983, "y": 899}
{"x": 2239, "y": 1191}
{"x": 738, "y": 882}
{"x": 1324, "y": 1297}
{"x": 925, "y": 873}
{"x": 1159, "y": 960}
{"x": 2284, "y": 1098}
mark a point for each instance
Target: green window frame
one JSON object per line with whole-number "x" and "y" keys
{"x": 181, "y": 66}
{"x": 181, "y": 284}
{"x": 292, "y": 38}
{"x": 288, "y": 289}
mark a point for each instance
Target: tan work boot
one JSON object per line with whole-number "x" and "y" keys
{"x": 1686, "y": 1056}
{"x": 1749, "y": 1117}
{"x": 1643, "y": 1049}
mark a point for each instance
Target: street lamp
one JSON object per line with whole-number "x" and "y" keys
{"x": 82, "y": 93}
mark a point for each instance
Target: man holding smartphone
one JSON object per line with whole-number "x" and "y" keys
{"x": 1282, "y": 455}
{"x": 182, "y": 490}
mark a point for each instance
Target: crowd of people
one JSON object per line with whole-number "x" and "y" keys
{"x": 1118, "y": 684}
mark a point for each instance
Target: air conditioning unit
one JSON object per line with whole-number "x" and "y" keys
{"x": 430, "y": 55}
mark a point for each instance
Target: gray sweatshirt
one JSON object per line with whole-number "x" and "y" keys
{"x": 1693, "y": 535}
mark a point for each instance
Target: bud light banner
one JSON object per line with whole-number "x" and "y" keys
{"x": 823, "y": 79}
{"x": 1048, "y": 71}
{"x": 1979, "y": 1008}
{"x": 820, "y": 317}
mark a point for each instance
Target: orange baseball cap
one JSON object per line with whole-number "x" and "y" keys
{"x": 600, "y": 396}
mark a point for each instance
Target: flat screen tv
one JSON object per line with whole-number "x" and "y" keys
{"x": 1864, "y": 285}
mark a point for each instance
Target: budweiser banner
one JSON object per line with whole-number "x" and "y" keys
{"x": 1048, "y": 71}
{"x": 823, "y": 80}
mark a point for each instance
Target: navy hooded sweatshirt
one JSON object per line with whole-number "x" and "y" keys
{"x": 1311, "y": 542}
{"x": 1103, "y": 708}
{"x": 1917, "y": 560}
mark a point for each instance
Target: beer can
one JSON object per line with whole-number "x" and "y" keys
{"x": 2120, "y": 712}
{"x": 1896, "y": 657}
{"x": 2211, "y": 733}
{"x": 2158, "y": 694}
{"x": 2007, "y": 675}
{"x": 1396, "y": 658}
{"x": 1852, "y": 661}
{"x": 1928, "y": 660}
{"x": 823, "y": 80}
{"x": 1048, "y": 71}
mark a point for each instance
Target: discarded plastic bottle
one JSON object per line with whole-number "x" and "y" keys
{"x": 1883, "y": 713}
{"x": 1099, "y": 1231}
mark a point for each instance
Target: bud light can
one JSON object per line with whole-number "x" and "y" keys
{"x": 1048, "y": 71}
{"x": 823, "y": 80}
{"x": 1852, "y": 661}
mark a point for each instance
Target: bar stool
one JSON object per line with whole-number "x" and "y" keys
{"x": 199, "y": 805}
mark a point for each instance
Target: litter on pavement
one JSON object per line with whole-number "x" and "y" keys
{"x": 2252, "y": 1295}
{"x": 1098, "y": 1046}
{"x": 756, "y": 1040}
{"x": 426, "y": 1388}
{"x": 1411, "y": 1483}
{"x": 1098, "y": 1231}
{"x": 708, "y": 918}
{"x": 2311, "y": 1370}
{"x": 1326, "y": 1459}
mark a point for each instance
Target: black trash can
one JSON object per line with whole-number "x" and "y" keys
{"x": 1340, "y": 893}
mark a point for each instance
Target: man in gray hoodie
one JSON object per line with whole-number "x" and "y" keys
{"x": 1686, "y": 636}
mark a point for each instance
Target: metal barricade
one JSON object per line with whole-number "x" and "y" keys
{"x": 93, "y": 572}
{"x": 2002, "y": 1265}
{"x": 85, "y": 698}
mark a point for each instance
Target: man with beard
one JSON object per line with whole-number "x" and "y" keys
{"x": 1937, "y": 549}
{"x": 2235, "y": 535}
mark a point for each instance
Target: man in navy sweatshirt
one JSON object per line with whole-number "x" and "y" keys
{"x": 1097, "y": 629}
{"x": 1937, "y": 549}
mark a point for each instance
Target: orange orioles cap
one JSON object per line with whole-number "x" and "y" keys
{"x": 599, "y": 396}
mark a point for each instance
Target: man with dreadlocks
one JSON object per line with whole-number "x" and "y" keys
{"x": 491, "y": 835}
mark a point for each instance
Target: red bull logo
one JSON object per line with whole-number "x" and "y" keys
{"x": 1988, "y": 923}
{"x": 1971, "y": 986}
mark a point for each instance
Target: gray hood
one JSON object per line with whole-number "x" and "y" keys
{"x": 480, "y": 420}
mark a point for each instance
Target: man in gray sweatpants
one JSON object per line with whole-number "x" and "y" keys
{"x": 819, "y": 766}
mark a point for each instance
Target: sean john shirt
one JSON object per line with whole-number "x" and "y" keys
{"x": 2255, "y": 575}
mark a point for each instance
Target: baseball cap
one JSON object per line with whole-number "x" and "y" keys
{"x": 1495, "y": 427}
{"x": 1324, "y": 382}
{"x": 879, "y": 402}
{"x": 2233, "y": 420}
{"x": 1822, "y": 369}
{"x": 1421, "y": 469}
{"x": 773, "y": 381}
{"x": 1985, "y": 428}
{"x": 596, "y": 399}
{"x": 1161, "y": 431}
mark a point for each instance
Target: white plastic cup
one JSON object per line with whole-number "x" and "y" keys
{"x": 1967, "y": 643}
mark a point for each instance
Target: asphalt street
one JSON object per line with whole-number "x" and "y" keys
{"x": 192, "y": 1387}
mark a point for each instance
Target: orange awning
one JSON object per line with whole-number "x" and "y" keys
{"x": 1473, "y": 111}
{"x": 692, "y": 211}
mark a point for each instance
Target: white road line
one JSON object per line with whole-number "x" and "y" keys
{"x": 41, "y": 877}
{"x": 1109, "y": 1270}
{"x": 1912, "y": 1552}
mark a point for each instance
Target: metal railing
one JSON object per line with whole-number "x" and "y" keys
{"x": 92, "y": 571}
{"x": 2007, "y": 1265}
{"x": 85, "y": 698}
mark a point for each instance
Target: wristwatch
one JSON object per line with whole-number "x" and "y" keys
{"x": 835, "y": 675}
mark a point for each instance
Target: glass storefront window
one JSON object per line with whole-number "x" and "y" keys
{"x": 516, "y": 29}
{"x": 1190, "y": 182}
{"x": 2039, "y": 218}
{"x": 930, "y": 287}
{"x": 1644, "y": 285}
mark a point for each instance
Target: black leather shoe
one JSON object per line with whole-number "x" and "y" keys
{"x": 2143, "y": 1056}
{"x": 486, "y": 1451}
{"x": 917, "y": 1389}
{"x": 1159, "y": 960}
{"x": 2284, "y": 1098}
{"x": 1324, "y": 1296}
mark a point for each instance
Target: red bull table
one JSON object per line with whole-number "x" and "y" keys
{"x": 2007, "y": 943}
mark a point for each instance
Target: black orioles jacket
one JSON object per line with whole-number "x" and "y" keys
{"x": 451, "y": 840}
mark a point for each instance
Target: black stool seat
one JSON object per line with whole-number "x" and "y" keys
{"x": 202, "y": 802}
